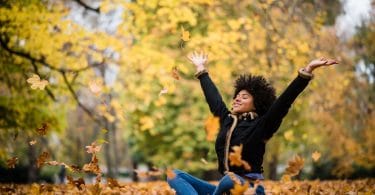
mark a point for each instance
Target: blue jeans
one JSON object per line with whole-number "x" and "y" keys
{"x": 186, "y": 184}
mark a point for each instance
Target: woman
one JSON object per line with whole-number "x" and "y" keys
{"x": 255, "y": 116}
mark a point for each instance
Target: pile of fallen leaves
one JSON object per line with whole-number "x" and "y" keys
{"x": 364, "y": 187}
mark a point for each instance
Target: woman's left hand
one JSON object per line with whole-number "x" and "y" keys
{"x": 318, "y": 63}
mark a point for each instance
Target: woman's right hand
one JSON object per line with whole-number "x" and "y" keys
{"x": 199, "y": 60}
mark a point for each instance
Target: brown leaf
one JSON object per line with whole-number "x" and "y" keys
{"x": 175, "y": 73}
{"x": 112, "y": 183}
{"x": 93, "y": 148}
{"x": 239, "y": 189}
{"x": 212, "y": 126}
{"x": 235, "y": 158}
{"x": 316, "y": 156}
{"x": 42, "y": 158}
{"x": 43, "y": 129}
{"x": 78, "y": 183}
{"x": 92, "y": 166}
{"x": 11, "y": 163}
{"x": 170, "y": 174}
{"x": 294, "y": 166}
{"x": 32, "y": 142}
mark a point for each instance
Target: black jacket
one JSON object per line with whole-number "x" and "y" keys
{"x": 253, "y": 134}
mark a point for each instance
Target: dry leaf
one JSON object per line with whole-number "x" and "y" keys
{"x": 170, "y": 174}
{"x": 235, "y": 157}
{"x": 239, "y": 189}
{"x": 96, "y": 86}
{"x": 185, "y": 35}
{"x": 175, "y": 73}
{"x": 11, "y": 163}
{"x": 32, "y": 142}
{"x": 316, "y": 156}
{"x": 163, "y": 91}
{"x": 36, "y": 82}
{"x": 93, "y": 148}
{"x": 212, "y": 126}
{"x": 204, "y": 161}
{"x": 79, "y": 183}
{"x": 112, "y": 183}
{"x": 42, "y": 158}
{"x": 294, "y": 166}
{"x": 92, "y": 166}
{"x": 43, "y": 129}
{"x": 53, "y": 163}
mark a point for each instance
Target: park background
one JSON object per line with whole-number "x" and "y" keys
{"x": 118, "y": 76}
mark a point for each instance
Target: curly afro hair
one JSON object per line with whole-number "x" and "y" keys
{"x": 262, "y": 91}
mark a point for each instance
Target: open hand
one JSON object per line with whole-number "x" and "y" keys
{"x": 198, "y": 59}
{"x": 318, "y": 63}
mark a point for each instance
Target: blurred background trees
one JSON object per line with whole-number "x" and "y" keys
{"x": 118, "y": 75}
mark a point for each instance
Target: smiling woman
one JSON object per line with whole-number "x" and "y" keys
{"x": 255, "y": 116}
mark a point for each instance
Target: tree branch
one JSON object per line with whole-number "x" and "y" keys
{"x": 83, "y": 4}
{"x": 70, "y": 88}
{"x": 60, "y": 70}
{"x": 41, "y": 61}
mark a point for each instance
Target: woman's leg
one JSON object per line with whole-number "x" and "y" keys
{"x": 186, "y": 184}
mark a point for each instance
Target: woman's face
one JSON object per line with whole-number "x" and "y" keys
{"x": 243, "y": 102}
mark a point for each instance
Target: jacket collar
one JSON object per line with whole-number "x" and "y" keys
{"x": 245, "y": 116}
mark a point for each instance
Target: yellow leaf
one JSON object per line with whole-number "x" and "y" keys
{"x": 185, "y": 35}
{"x": 294, "y": 166}
{"x": 36, "y": 82}
{"x": 316, "y": 156}
{"x": 212, "y": 126}
{"x": 239, "y": 189}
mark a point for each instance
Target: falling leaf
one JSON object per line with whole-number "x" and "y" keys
{"x": 53, "y": 163}
{"x": 294, "y": 166}
{"x": 96, "y": 86}
{"x": 175, "y": 73}
{"x": 288, "y": 135}
{"x": 93, "y": 148}
{"x": 73, "y": 168}
{"x": 163, "y": 91}
{"x": 185, "y": 35}
{"x": 239, "y": 189}
{"x": 11, "y": 163}
{"x": 79, "y": 183}
{"x": 42, "y": 158}
{"x": 316, "y": 156}
{"x": 32, "y": 142}
{"x": 43, "y": 129}
{"x": 212, "y": 126}
{"x": 170, "y": 174}
{"x": 36, "y": 82}
{"x": 204, "y": 161}
{"x": 93, "y": 166}
{"x": 235, "y": 157}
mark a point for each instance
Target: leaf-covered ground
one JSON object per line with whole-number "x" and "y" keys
{"x": 366, "y": 186}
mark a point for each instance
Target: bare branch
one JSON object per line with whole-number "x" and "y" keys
{"x": 71, "y": 90}
{"x": 41, "y": 61}
{"x": 83, "y": 4}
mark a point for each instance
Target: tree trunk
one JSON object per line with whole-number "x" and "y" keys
{"x": 32, "y": 171}
{"x": 272, "y": 167}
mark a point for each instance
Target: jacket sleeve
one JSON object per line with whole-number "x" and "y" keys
{"x": 213, "y": 97}
{"x": 278, "y": 110}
